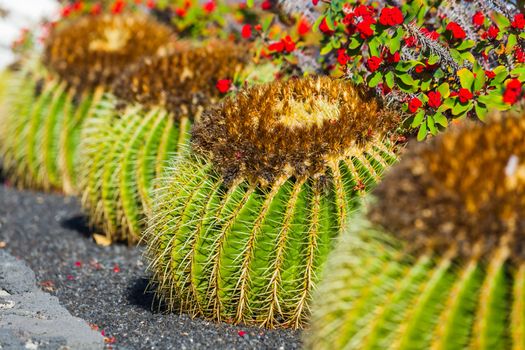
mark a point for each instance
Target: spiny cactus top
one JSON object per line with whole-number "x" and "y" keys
{"x": 92, "y": 51}
{"x": 182, "y": 80}
{"x": 439, "y": 261}
{"x": 240, "y": 227}
{"x": 465, "y": 190}
{"x": 293, "y": 127}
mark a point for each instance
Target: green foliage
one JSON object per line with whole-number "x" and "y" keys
{"x": 246, "y": 253}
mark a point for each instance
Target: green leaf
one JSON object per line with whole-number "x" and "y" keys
{"x": 460, "y": 109}
{"x": 468, "y": 56}
{"x": 389, "y": 79}
{"x": 373, "y": 46}
{"x": 249, "y": 3}
{"x": 444, "y": 90}
{"x": 511, "y": 43}
{"x": 441, "y": 119}
{"x": 395, "y": 41}
{"x": 422, "y": 133}
{"x": 520, "y": 72}
{"x": 501, "y": 20}
{"x": 326, "y": 49}
{"x": 431, "y": 125}
{"x": 407, "y": 79}
{"x": 467, "y": 44}
{"x": 354, "y": 44}
{"x": 418, "y": 119}
{"x": 481, "y": 111}
{"x": 374, "y": 79}
{"x": 466, "y": 77}
{"x": 433, "y": 59}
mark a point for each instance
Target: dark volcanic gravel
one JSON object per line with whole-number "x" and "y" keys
{"x": 105, "y": 285}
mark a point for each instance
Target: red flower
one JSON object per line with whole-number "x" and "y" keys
{"x": 456, "y": 30}
{"x": 224, "y": 85}
{"x": 373, "y": 63}
{"x": 210, "y": 6}
{"x": 434, "y": 99}
{"x": 303, "y": 27}
{"x": 519, "y": 21}
{"x": 118, "y": 7}
{"x": 241, "y": 333}
{"x": 342, "y": 57}
{"x": 393, "y": 58}
{"x": 364, "y": 28}
{"x": 150, "y": 4}
{"x": 490, "y": 74}
{"x": 391, "y": 16}
{"x": 181, "y": 12}
{"x": 246, "y": 31}
{"x": 519, "y": 54}
{"x": 96, "y": 9}
{"x": 419, "y": 68}
{"x": 478, "y": 18}
{"x": 493, "y": 32}
{"x": 66, "y": 11}
{"x": 432, "y": 35}
{"x": 323, "y": 27}
{"x": 464, "y": 95}
{"x": 116, "y": 268}
{"x": 315, "y": 2}
{"x": 266, "y": 5}
{"x": 414, "y": 104}
{"x": 78, "y": 5}
{"x": 289, "y": 44}
{"x": 410, "y": 41}
{"x": 277, "y": 46}
{"x": 512, "y": 91}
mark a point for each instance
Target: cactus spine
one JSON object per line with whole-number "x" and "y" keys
{"x": 445, "y": 271}
{"x": 241, "y": 226}
{"x": 125, "y": 149}
{"x": 47, "y": 106}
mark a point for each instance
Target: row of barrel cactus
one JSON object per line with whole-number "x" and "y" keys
{"x": 48, "y": 102}
{"x": 241, "y": 200}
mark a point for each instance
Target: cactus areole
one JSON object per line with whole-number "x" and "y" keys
{"x": 241, "y": 226}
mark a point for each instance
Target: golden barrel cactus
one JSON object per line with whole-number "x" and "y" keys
{"x": 438, "y": 260}
{"x": 241, "y": 225}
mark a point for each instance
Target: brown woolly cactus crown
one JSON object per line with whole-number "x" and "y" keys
{"x": 293, "y": 127}
{"x": 92, "y": 51}
{"x": 465, "y": 190}
{"x": 184, "y": 79}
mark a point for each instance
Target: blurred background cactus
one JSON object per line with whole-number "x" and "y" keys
{"x": 126, "y": 145}
{"x": 47, "y": 102}
{"x": 242, "y": 224}
{"x": 438, "y": 260}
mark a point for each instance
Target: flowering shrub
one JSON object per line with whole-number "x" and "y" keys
{"x": 437, "y": 62}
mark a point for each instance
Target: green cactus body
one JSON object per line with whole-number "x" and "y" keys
{"x": 123, "y": 152}
{"x": 41, "y": 142}
{"x": 248, "y": 254}
{"x": 447, "y": 270}
{"x": 247, "y": 251}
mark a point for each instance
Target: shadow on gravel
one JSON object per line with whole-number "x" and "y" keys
{"x": 80, "y": 224}
{"x": 141, "y": 294}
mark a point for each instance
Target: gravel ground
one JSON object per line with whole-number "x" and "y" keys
{"x": 105, "y": 285}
